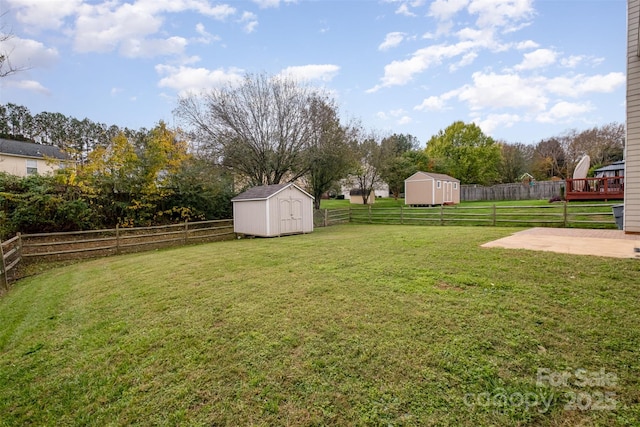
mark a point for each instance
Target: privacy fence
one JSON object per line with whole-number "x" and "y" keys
{"x": 539, "y": 190}
{"x": 25, "y": 248}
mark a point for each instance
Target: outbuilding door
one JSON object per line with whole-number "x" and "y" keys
{"x": 290, "y": 216}
{"x": 448, "y": 192}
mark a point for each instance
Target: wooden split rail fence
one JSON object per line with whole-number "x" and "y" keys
{"x": 553, "y": 215}
{"x": 97, "y": 243}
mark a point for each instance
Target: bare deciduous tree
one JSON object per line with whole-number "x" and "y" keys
{"x": 6, "y": 67}
{"x": 329, "y": 154}
{"x": 370, "y": 160}
{"x": 259, "y": 128}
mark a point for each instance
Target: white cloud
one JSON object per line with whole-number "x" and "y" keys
{"x": 527, "y": 44}
{"x": 404, "y": 120}
{"x": 445, "y": 9}
{"x": 29, "y": 85}
{"x": 382, "y": 115}
{"x": 563, "y": 111}
{"x": 403, "y": 9}
{"x": 512, "y": 98}
{"x": 493, "y": 91}
{"x": 264, "y": 4}
{"x": 99, "y": 29}
{"x": 466, "y": 60}
{"x": 580, "y": 85}
{"x": 537, "y": 59}
{"x": 323, "y": 72}
{"x": 501, "y": 13}
{"x": 572, "y": 61}
{"x": 205, "y": 36}
{"x": 44, "y": 15}
{"x": 432, "y": 103}
{"x": 137, "y": 48}
{"x": 495, "y": 121}
{"x": 391, "y": 40}
{"x": 401, "y": 72}
{"x": 27, "y": 53}
{"x": 398, "y": 115}
{"x": 187, "y": 79}
{"x": 109, "y": 26}
{"x": 250, "y": 21}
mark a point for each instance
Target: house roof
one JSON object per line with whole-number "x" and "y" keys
{"x": 615, "y": 166}
{"x": 433, "y": 175}
{"x": 30, "y": 149}
{"x": 263, "y": 192}
{"x": 357, "y": 192}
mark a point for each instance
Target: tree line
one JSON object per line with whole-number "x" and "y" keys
{"x": 265, "y": 130}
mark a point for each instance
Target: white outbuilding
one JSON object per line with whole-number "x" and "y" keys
{"x": 273, "y": 210}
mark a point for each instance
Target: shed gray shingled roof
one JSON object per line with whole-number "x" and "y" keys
{"x": 439, "y": 176}
{"x": 261, "y": 192}
{"x": 615, "y": 166}
{"x": 30, "y": 149}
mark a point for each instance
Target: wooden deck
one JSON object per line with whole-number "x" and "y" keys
{"x": 609, "y": 188}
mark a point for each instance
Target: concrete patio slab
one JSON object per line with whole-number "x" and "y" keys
{"x": 606, "y": 243}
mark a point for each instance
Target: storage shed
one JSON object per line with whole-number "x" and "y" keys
{"x": 356, "y": 197}
{"x": 273, "y": 210}
{"x": 427, "y": 189}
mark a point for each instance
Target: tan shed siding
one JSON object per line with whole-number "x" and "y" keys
{"x": 419, "y": 192}
{"x": 439, "y": 193}
{"x": 632, "y": 155}
{"x": 249, "y": 218}
{"x": 456, "y": 192}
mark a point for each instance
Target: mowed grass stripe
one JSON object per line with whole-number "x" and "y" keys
{"x": 349, "y": 325}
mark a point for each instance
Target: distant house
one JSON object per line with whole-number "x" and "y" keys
{"x": 380, "y": 189}
{"x": 22, "y": 158}
{"x": 273, "y": 210}
{"x": 357, "y": 198}
{"x": 428, "y": 189}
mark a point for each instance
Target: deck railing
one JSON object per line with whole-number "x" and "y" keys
{"x": 607, "y": 188}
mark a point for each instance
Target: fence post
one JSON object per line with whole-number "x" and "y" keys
{"x": 186, "y": 231}
{"x": 18, "y": 252}
{"x": 4, "y": 268}
{"x": 441, "y": 214}
{"x": 326, "y": 217}
{"x": 117, "y": 239}
{"x": 494, "y": 215}
{"x": 369, "y": 214}
{"x": 401, "y": 215}
{"x": 565, "y": 214}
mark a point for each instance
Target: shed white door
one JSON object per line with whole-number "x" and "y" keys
{"x": 290, "y": 216}
{"x": 448, "y": 192}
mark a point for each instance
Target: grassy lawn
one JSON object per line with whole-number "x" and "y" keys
{"x": 349, "y": 325}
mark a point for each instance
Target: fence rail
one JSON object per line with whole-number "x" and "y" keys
{"x": 95, "y": 243}
{"x": 552, "y": 215}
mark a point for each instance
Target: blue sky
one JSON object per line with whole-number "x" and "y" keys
{"x": 522, "y": 70}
